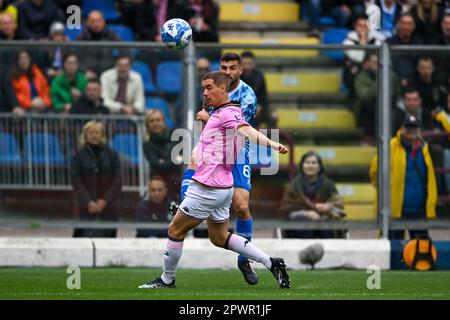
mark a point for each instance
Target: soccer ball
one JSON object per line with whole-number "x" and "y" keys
{"x": 176, "y": 33}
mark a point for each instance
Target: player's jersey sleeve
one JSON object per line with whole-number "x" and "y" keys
{"x": 248, "y": 104}
{"x": 233, "y": 118}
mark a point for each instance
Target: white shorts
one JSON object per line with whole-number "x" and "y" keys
{"x": 201, "y": 202}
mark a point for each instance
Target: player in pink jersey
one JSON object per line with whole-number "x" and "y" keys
{"x": 210, "y": 193}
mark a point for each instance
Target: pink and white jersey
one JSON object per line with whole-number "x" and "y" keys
{"x": 219, "y": 146}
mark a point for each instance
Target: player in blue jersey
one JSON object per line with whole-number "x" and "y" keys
{"x": 230, "y": 63}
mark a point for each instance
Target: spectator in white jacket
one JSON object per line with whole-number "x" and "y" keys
{"x": 122, "y": 88}
{"x": 361, "y": 35}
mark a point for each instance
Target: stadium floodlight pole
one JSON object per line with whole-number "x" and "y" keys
{"x": 384, "y": 137}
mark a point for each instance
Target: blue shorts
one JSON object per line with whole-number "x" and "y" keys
{"x": 242, "y": 171}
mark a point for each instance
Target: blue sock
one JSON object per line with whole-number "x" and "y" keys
{"x": 187, "y": 177}
{"x": 244, "y": 228}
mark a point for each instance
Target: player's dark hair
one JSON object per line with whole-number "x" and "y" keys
{"x": 248, "y": 54}
{"x": 230, "y": 56}
{"x": 219, "y": 78}
{"x": 308, "y": 154}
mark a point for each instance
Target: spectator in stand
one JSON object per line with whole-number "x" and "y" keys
{"x": 122, "y": 88}
{"x": 68, "y": 87}
{"x": 255, "y": 79}
{"x": 7, "y": 27}
{"x": 311, "y": 196}
{"x": 36, "y": 17}
{"x": 443, "y": 38}
{"x": 8, "y": 99}
{"x": 404, "y": 64}
{"x": 366, "y": 95}
{"x": 96, "y": 60}
{"x": 96, "y": 180}
{"x": 391, "y": 11}
{"x": 361, "y": 35}
{"x": 139, "y": 16}
{"x": 442, "y": 123}
{"x": 427, "y": 16}
{"x": 343, "y": 11}
{"x": 158, "y": 151}
{"x": 154, "y": 207}
{"x": 411, "y": 105}
{"x": 91, "y": 101}
{"x": 7, "y": 7}
{"x": 431, "y": 84}
{"x": 52, "y": 57}
{"x": 203, "y": 16}
{"x": 413, "y": 183}
{"x": 30, "y": 85}
{"x": 165, "y": 10}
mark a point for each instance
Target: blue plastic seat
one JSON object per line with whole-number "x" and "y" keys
{"x": 44, "y": 148}
{"x": 160, "y": 104}
{"x": 72, "y": 34}
{"x": 124, "y": 32}
{"x": 127, "y": 145}
{"x": 107, "y": 7}
{"x": 215, "y": 66}
{"x": 169, "y": 77}
{"x": 9, "y": 149}
{"x": 334, "y": 36}
{"x": 327, "y": 21}
{"x": 144, "y": 70}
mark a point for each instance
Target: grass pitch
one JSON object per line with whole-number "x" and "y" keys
{"x": 122, "y": 283}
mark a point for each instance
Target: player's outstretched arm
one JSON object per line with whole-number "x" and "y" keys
{"x": 257, "y": 137}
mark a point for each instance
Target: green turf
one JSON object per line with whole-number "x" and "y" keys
{"x": 121, "y": 283}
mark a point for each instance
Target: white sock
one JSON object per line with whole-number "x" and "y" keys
{"x": 245, "y": 247}
{"x": 172, "y": 255}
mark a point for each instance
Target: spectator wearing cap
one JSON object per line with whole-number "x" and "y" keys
{"x": 413, "y": 183}
{"x": 7, "y": 7}
{"x": 7, "y": 27}
{"x": 36, "y": 17}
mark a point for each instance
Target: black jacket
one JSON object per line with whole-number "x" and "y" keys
{"x": 84, "y": 106}
{"x": 404, "y": 63}
{"x": 94, "y": 178}
{"x": 34, "y": 22}
{"x": 158, "y": 151}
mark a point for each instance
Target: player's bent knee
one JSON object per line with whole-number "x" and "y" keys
{"x": 218, "y": 240}
{"x": 242, "y": 210}
{"x": 175, "y": 232}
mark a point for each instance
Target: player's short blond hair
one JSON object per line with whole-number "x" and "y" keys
{"x": 87, "y": 127}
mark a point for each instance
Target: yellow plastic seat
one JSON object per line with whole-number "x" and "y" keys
{"x": 310, "y": 82}
{"x": 259, "y": 12}
{"x": 357, "y": 193}
{"x": 267, "y": 53}
{"x": 315, "y": 118}
{"x": 358, "y": 212}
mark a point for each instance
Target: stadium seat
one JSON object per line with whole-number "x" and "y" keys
{"x": 358, "y": 212}
{"x": 215, "y": 65}
{"x": 144, "y": 70}
{"x": 334, "y": 36}
{"x": 357, "y": 193}
{"x": 72, "y": 34}
{"x": 327, "y": 21}
{"x": 291, "y": 53}
{"x": 9, "y": 149}
{"x": 160, "y": 104}
{"x": 259, "y": 11}
{"x": 357, "y": 156}
{"x": 311, "y": 82}
{"x": 124, "y": 32}
{"x": 107, "y": 7}
{"x": 316, "y": 118}
{"x": 44, "y": 148}
{"x": 169, "y": 77}
{"x": 127, "y": 145}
